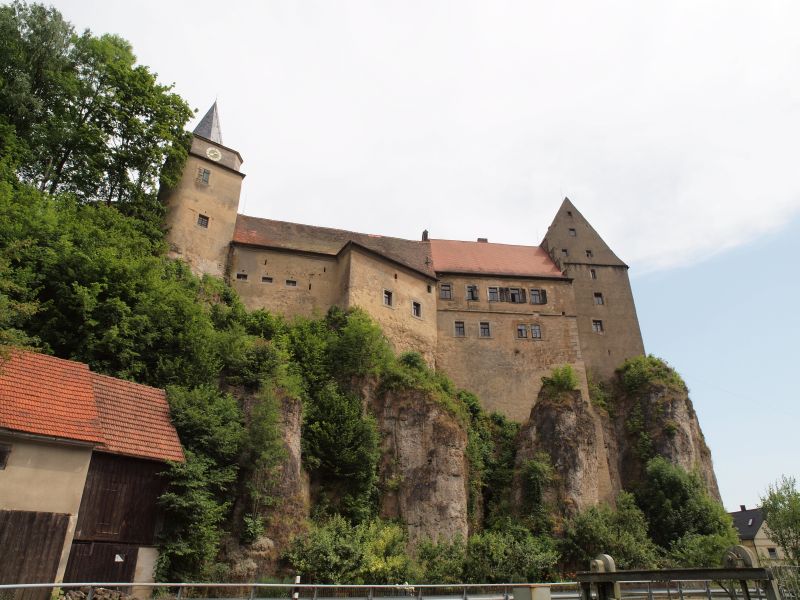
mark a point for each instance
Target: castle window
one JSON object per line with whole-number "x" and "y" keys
{"x": 446, "y": 291}
{"x": 536, "y": 332}
{"x": 538, "y": 296}
{"x": 572, "y": 232}
{"x": 773, "y": 553}
{"x": 429, "y": 288}
{"x": 597, "y": 326}
{"x": 291, "y": 283}
{"x": 472, "y": 292}
{"x": 459, "y": 330}
{"x": 202, "y": 220}
{"x": 416, "y": 309}
{"x": 564, "y": 252}
{"x": 522, "y": 331}
{"x": 598, "y": 298}
{"x": 241, "y": 276}
{"x": 266, "y": 279}
{"x": 589, "y": 254}
{"x": 516, "y": 295}
{"x": 592, "y": 274}
{"x": 387, "y": 298}
{"x": 569, "y": 212}
{"x": 485, "y": 329}
{"x": 494, "y": 294}
{"x": 203, "y": 175}
{"x": 5, "y": 452}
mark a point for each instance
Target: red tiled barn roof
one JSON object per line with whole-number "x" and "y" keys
{"x": 135, "y": 419}
{"x": 48, "y": 396}
{"x": 483, "y": 258}
{"x": 53, "y": 397}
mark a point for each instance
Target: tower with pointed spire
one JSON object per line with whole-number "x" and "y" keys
{"x": 202, "y": 207}
{"x": 608, "y": 327}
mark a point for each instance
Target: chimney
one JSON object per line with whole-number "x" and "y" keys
{"x": 425, "y": 235}
{"x": 483, "y": 240}
{"x": 742, "y": 507}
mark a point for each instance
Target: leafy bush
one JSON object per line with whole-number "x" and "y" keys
{"x": 537, "y": 475}
{"x": 561, "y": 379}
{"x": 641, "y": 371}
{"x": 620, "y": 532}
{"x": 339, "y": 552}
{"x": 441, "y": 561}
{"x": 510, "y": 555}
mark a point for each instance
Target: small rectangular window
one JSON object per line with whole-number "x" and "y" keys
{"x": 459, "y": 329}
{"x": 597, "y": 326}
{"x": 202, "y": 220}
{"x": 494, "y": 294}
{"x": 572, "y": 232}
{"x": 266, "y": 279}
{"x": 536, "y": 332}
{"x": 516, "y": 295}
{"x": 416, "y": 309}
{"x": 773, "y": 553}
{"x": 598, "y": 298}
{"x": 387, "y": 298}
{"x": 564, "y": 252}
{"x": 446, "y": 291}
{"x": 291, "y": 283}
{"x": 472, "y": 292}
{"x": 5, "y": 452}
{"x": 538, "y": 296}
{"x": 429, "y": 288}
{"x": 522, "y": 331}
{"x": 592, "y": 274}
{"x": 203, "y": 175}
{"x": 241, "y": 276}
{"x": 485, "y": 329}
{"x": 589, "y": 254}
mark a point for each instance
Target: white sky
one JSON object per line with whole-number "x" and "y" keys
{"x": 674, "y": 126}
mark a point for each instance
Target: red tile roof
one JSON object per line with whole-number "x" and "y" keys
{"x": 53, "y": 397}
{"x": 135, "y": 419}
{"x": 450, "y": 256}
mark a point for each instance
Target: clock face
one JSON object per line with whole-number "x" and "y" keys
{"x": 213, "y": 154}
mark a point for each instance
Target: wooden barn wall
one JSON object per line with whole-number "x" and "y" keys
{"x": 101, "y": 561}
{"x": 30, "y": 544}
{"x": 119, "y": 501}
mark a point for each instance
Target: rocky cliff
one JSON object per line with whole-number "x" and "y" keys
{"x": 598, "y": 448}
{"x": 423, "y": 468}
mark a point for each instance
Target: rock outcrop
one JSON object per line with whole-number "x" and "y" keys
{"x": 423, "y": 468}
{"x": 566, "y": 429}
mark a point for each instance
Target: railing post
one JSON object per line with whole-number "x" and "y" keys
{"x": 90, "y": 595}
{"x": 708, "y": 590}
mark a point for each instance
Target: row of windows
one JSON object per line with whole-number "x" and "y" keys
{"x": 267, "y": 279}
{"x": 485, "y": 330}
{"x": 416, "y": 307}
{"x": 497, "y": 294}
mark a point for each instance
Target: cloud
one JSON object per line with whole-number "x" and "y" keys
{"x": 674, "y": 127}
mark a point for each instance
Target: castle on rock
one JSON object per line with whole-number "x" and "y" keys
{"x": 494, "y": 317}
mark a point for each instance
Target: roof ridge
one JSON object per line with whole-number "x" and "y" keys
{"x": 127, "y": 381}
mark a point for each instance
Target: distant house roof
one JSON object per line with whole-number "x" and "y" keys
{"x": 483, "y": 258}
{"x": 49, "y": 396}
{"x": 427, "y": 257}
{"x": 748, "y": 522}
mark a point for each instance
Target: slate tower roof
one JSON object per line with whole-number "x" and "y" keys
{"x": 209, "y": 125}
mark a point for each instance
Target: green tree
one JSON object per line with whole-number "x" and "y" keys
{"x": 620, "y": 532}
{"x": 441, "y": 561}
{"x": 680, "y": 512}
{"x": 781, "y": 507}
{"x": 509, "y": 555}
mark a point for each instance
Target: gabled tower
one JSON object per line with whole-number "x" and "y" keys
{"x": 202, "y": 207}
{"x": 607, "y": 324}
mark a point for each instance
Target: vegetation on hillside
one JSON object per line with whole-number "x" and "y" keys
{"x": 86, "y": 135}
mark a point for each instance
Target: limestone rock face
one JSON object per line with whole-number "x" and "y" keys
{"x": 659, "y": 420}
{"x": 424, "y": 468}
{"x": 567, "y": 429}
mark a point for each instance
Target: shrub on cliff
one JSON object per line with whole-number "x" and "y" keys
{"x": 561, "y": 380}
{"x": 638, "y": 372}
